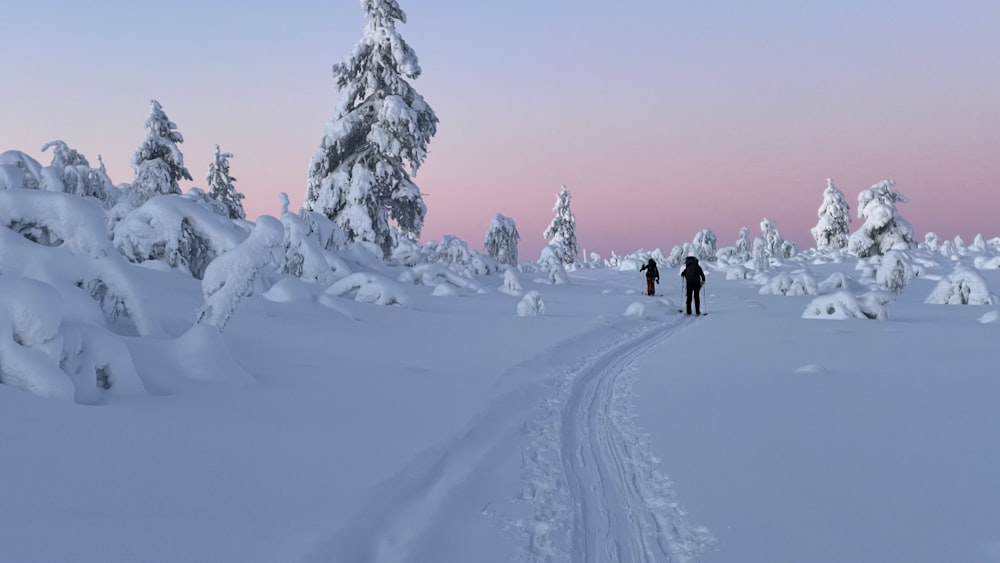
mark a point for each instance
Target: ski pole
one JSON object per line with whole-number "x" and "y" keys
{"x": 704, "y": 297}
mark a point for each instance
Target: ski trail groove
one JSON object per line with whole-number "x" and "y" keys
{"x": 611, "y": 502}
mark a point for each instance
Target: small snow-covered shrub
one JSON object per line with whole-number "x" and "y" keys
{"x": 19, "y": 171}
{"x": 71, "y": 173}
{"x": 986, "y": 263}
{"x": 177, "y": 231}
{"x": 845, "y": 305}
{"x": 837, "y": 306}
{"x": 234, "y": 275}
{"x": 799, "y": 283}
{"x": 57, "y": 219}
{"x": 458, "y": 257}
{"x": 511, "y": 283}
{"x": 30, "y": 342}
{"x": 964, "y": 286}
{"x": 551, "y": 262}
{"x": 305, "y": 256}
{"x": 894, "y": 272}
{"x": 837, "y": 281}
{"x": 202, "y": 198}
{"x": 531, "y": 305}
{"x": 737, "y": 273}
{"x": 436, "y": 274}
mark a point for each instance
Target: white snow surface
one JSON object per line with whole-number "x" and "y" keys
{"x": 375, "y": 412}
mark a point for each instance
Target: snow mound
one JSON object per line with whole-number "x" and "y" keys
{"x": 444, "y": 290}
{"x": 202, "y": 354}
{"x": 812, "y": 369}
{"x": 800, "y": 283}
{"x": 531, "y": 305}
{"x": 511, "y": 283}
{"x": 655, "y": 309}
{"x": 963, "y": 286}
{"x": 991, "y": 317}
{"x": 288, "y": 290}
{"x": 369, "y": 288}
{"x": 30, "y": 343}
{"x": 845, "y": 305}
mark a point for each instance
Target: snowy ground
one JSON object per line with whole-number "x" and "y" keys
{"x": 452, "y": 430}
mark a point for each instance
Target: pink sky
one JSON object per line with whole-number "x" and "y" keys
{"x": 661, "y": 120}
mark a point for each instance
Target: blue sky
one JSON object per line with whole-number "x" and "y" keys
{"x": 662, "y": 118}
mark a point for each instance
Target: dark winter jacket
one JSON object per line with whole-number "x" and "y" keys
{"x": 651, "y": 270}
{"x": 692, "y": 273}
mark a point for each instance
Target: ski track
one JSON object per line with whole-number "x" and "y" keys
{"x": 590, "y": 480}
{"x": 604, "y": 495}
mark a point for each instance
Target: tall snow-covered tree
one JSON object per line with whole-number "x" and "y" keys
{"x": 381, "y": 127}
{"x": 771, "y": 236}
{"x": 157, "y": 162}
{"x": 744, "y": 248}
{"x": 704, "y": 244}
{"x": 501, "y": 240}
{"x": 562, "y": 229}
{"x": 884, "y": 229}
{"x": 220, "y": 185}
{"x": 761, "y": 262}
{"x": 831, "y": 232}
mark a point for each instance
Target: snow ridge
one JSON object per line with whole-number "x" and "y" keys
{"x": 592, "y": 476}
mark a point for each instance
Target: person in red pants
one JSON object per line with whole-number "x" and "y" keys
{"x": 652, "y": 276}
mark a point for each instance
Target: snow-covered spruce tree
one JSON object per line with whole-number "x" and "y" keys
{"x": 834, "y": 213}
{"x": 772, "y": 237}
{"x": 932, "y": 242}
{"x": 158, "y": 163}
{"x": 761, "y": 261}
{"x": 73, "y": 174}
{"x": 884, "y": 228}
{"x": 358, "y": 176}
{"x": 704, "y": 245}
{"x": 501, "y": 240}
{"x": 743, "y": 248}
{"x": 220, "y": 185}
{"x": 562, "y": 229}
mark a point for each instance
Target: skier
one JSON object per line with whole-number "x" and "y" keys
{"x": 694, "y": 277}
{"x": 652, "y": 276}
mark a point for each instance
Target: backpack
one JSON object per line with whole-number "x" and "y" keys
{"x": 692, "y": 271}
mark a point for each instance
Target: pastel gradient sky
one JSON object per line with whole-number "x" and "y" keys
{"x": 661, "y": 117}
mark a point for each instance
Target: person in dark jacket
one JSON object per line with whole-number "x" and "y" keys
{"x": 652, "y": 276}
{"x": 694, "y": 277}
